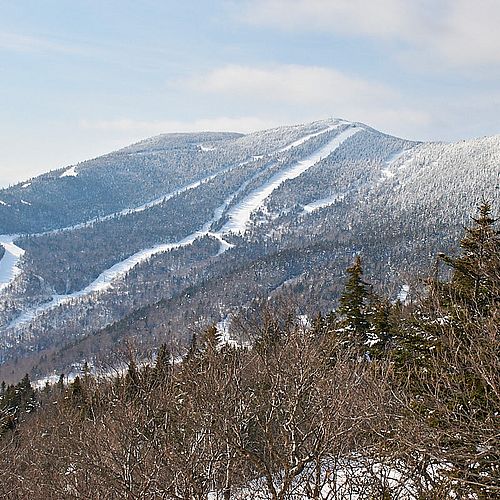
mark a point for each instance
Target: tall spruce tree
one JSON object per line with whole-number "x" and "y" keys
{"x": 475, "y": 282}
{"x": 353, "y": 312}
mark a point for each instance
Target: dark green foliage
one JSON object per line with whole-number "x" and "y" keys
{"x": 363, "y": 322}
{"x": 474, "y": 286}
{"x": 16, "y": 401}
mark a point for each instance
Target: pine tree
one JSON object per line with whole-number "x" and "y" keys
{"x": 475, "y": 282}
{"x": 381, "y": 327}
{"x": 353, "y": 312}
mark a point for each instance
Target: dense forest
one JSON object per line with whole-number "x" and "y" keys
{"x": 378, "y": 399}
{"x": 396, "y": 202}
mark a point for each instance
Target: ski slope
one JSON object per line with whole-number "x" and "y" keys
{"x": 238, "y": 218}
{"x": 9, "y": 264}
{"x": 240, "y": 214}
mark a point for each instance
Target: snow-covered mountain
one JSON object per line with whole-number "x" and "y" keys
{"x": 184, "y": 227}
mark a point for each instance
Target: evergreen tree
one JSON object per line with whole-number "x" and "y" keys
{"x": 381, "y": 327}
{"x": 475, "y": 282}
{"x": 353, "y": 313}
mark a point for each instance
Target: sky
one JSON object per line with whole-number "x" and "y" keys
{"x": 81, "y": 78}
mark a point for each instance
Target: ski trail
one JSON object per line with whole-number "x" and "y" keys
{"x": 323, "y": 202}
{"x": 127, "y": 211}
{"x": 387, "y": 172}
{"x": 240, "y": 214}
{"x": 193, "y": 185}
{"x": 304, "y": 139}
{"x": 106, "y": 279}
{"x": 8, "y": 265}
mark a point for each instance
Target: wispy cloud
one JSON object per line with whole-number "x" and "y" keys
{"x": 144, "y": 128}
{"x": 38, "y": 44}
{"x": 459, "y": 33}
{"x": 310, "y": 92}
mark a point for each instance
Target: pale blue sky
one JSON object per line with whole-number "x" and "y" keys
{"x": 80, "y": 78}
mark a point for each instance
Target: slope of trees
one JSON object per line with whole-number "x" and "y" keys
{"x": 374, "y": 400}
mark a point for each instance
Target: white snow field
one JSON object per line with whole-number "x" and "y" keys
{"x": 323, "y": 202}
{"x": 240, "y": 214}
{"x": 8, "y": 265}
{"x": 70, "y": 172}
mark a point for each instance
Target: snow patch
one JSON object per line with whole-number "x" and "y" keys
{"x": 387, "y": 172}
{"x": 224, "y": 245}
{"x": 9, "y": 268}
{"x": 403, "y": 294}
{"x": 24, "y": 202}
{"x": 206, "y": 148}
{"x": 323, "y": 202}
{"x": 26, "y": 184}
{"x": 70, "y": 172}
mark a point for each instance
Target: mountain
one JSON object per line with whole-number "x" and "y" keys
{"x": 191, "y": 228}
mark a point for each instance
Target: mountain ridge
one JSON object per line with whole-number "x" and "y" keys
{"x": 371, "y": 193}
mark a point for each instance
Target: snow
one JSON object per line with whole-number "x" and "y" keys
{"x": 403, "y": 294}
{"x": 390, "y": 162}
{"x": 70, "y": 172}
{"x": 24, "y": 202}
{"x": 206, "y": 148}
{"x": 4, "y": 204}
{"x": 238, "y": 218}
{"x": 323, "y": 202}
{"x": 9, "y": 264}
{"x": 26, "y": 184}
{"x": 224, "y": 245}
{"x": 240, "y": 214}
{"x": 105, "y": 280}
{"x": 304, "y": 139}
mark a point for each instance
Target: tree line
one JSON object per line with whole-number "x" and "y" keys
{"x": 376, "y": 399}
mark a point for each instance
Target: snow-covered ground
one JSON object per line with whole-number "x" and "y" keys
{"x": 238, "y": 218}
{"x": 8, "y": 265}
{"x": 388, "y": 171}
{"x": 70, "y": 172}
{"x": 240, "y": 214}
{"x": 323, "y": 202}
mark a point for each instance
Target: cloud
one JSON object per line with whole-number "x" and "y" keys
{"x": 24, "y": 43}
{"x": 141, "y": 128}
{"x": 459, "y": 33}
{"x": 301, "y": 93}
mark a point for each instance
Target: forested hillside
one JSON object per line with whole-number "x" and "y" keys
{"x": 187, "y": 229}
{"x": 375, "y": 399}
